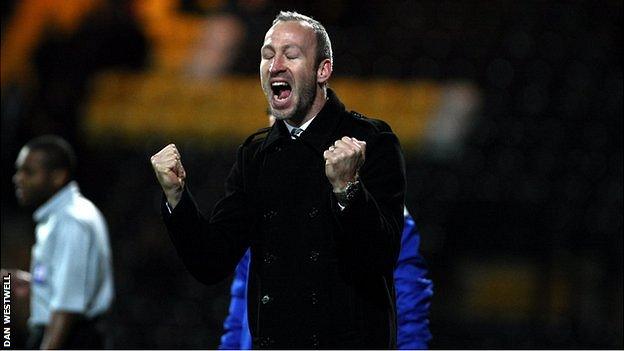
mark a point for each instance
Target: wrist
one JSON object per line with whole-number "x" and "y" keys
{"x": 174, "y": 197}
{"x": 341, "y": 185}
{"x": 346, "y": 194}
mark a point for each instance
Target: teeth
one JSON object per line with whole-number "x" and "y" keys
{"x": 276, "y": 84}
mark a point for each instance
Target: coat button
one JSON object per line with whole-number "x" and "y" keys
{"x": 313, "y": 212}
{"x": 313, "y": 298}
{"x": 315, "y": 341}
{"x": 265, "y": 299}
{"x": 269, "y": 258}
{"x": 314, "y": 255}
{"x": 268, "y": 215}
{"x": 265, "y": 342}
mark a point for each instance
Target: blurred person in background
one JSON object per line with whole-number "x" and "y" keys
{"x": 318, "y": 198}
{"x": 228, "y": 36}
{"x": 71, "y": 278}
{"x": 50, "y": 52}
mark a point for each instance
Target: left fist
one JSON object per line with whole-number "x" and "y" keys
{"x": 343, "y": 160}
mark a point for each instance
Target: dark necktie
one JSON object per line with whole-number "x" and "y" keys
{"x": 296, "y": 132}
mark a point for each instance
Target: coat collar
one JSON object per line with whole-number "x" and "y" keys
{"x": 319, "y": 132}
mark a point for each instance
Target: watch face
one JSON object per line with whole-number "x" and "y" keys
{"x": 351, "y": 190}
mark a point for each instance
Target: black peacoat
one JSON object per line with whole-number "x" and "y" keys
{"x": 320, "y": 276}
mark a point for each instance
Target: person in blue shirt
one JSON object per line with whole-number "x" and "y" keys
{"x": 414, "y": 292}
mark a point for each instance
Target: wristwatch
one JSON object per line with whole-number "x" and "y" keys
{"x": 347, "y": 194}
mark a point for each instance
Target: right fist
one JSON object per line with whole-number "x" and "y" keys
{"x": 170, "y": 173}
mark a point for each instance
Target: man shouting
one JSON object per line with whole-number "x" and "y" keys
{"x": 318, "y": 198}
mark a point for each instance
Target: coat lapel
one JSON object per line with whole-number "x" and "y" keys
{"x": 322, "y": 131}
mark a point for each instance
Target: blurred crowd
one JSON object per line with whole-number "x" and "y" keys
{"x": 521, "y": 222}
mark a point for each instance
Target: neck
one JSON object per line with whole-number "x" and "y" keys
{"x": 317, "y": 105}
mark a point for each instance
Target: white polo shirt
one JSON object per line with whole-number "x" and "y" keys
{"x": 71, "y": 260}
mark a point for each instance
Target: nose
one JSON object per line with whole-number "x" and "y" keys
{"x": 17, "y": 178}
{"x": 277, "y": 64}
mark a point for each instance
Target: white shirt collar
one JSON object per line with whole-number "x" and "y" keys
{"x": 57, "y": 200}
{"x": 303, "y": 126}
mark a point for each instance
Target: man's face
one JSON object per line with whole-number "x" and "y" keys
{"x": 288, "y": 71}
{"x": 33, "y": 182}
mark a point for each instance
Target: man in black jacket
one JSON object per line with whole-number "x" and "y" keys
{"x": 318, "y": 198}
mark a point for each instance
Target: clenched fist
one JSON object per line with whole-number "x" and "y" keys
{"x": 170, "y": 173}
{"x": 343, "y": 160}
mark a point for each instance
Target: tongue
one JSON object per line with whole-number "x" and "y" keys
{"x": 284, "y": 94}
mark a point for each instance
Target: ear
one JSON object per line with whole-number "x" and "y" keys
{"x": 324, "y": 71}
{"x": 59, "y": 177}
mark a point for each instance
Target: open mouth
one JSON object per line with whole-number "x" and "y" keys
{"x": 281, "y": 91}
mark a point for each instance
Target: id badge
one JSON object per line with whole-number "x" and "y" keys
{"x": 39, "y": 274}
